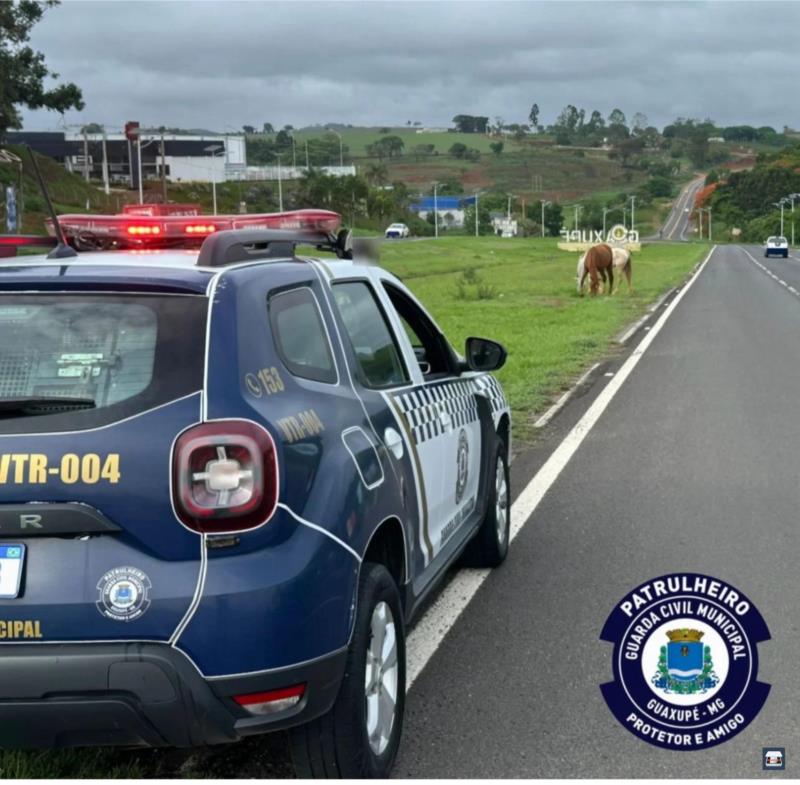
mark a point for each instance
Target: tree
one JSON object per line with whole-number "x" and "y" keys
{"x": 249, "y": 129}
{"x": 267, "y": 128}
{"x": 533, "y": 115}
{"x": 484, "y": 219}
{"x": 553, "y": 219}
{"x": 616, "y": 117}
{"x": 639, "y": 123}
{"x": 377, "y": 174}
{"x": 92, "y": 128}
{"x": 23, "y": 69}
{"x": 496, "y": 147}
{"x": 457, "y": 150}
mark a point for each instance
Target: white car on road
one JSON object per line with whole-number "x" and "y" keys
{"x": 777, "y": 246}
{"x": 398, "y": 230}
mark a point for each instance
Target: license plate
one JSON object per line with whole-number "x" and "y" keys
{"x": 12, "y": 559}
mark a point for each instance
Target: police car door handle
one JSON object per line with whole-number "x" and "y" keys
{"x": 393, "y": 442}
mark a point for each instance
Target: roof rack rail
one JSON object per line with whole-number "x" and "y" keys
{"x": 240, "y": 245}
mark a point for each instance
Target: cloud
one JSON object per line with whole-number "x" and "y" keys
{"x": 218, "y": 65}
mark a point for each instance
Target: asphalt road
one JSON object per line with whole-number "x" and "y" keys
{"x": 693, "y": 466}
{"x": 677, "y": 222}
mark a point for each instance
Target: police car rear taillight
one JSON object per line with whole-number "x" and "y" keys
{"x": 225, "y": 476}
{"x": 273, "y": 701}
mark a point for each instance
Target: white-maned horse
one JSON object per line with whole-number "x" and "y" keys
{"x": 622, "y": 266}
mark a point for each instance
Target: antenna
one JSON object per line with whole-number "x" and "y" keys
{"x": 62, "y": 249}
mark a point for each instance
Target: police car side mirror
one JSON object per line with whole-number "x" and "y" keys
{"x": 485, "y": 355}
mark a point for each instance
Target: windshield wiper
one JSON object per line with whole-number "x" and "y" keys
{"x": 42, "y": 404}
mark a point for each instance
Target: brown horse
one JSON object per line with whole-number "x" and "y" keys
{"x": 598, "y": 262}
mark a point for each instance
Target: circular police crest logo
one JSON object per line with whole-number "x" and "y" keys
{"x": 462, "y": 465}
{"x": 685, "y": 661}
{"x": 124, "y": 594}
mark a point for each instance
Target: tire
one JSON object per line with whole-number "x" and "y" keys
{"x": 338, "y": 744}
{"x": 489, "y": 547}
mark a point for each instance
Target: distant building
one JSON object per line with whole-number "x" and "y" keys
{"x": 450, "y": 209}
{"x": 503, "y": 226}
{"x": 186, "y": 157}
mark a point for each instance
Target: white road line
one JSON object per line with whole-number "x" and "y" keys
{"x": 561, "y": 402}
{"x": 429, "y": 632}
{"x": 770, "y": 273}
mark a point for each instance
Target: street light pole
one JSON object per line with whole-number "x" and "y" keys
{"x": 708, "y": 210}
{"x": 341, "y": 150}
{"x": 544, "y": 204}
{"x": 139, "y": 167}
{"x": 633, "y": 213}
{"x": 577, "y": 208}
{"x": 605, "y": 213}
{"x": 476, "y": 213}
{"x": 280, "y": 183}
{"x": 700, "y": 222}
{"x": 212, "y": 151}
{"x": 435, "y": 211}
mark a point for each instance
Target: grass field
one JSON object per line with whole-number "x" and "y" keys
{"x": 520, "y": 292}
{"x": 551, "y": 334}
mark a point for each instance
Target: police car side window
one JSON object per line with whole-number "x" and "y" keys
{"x": 432, "y": 351}
{"x": 374, "y": 345}
{"x": 300, "y": 336}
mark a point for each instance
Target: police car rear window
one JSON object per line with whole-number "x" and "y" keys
{"x": 111, "y": 356}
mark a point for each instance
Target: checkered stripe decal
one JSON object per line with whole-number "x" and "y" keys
{"x": 491, "y": 387}
{"x": 424, "y": 405}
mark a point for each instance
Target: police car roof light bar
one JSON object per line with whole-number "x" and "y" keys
{"x": 62, "y": 250}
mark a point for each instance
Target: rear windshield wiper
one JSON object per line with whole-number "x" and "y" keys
{"x": 42, "y": 404}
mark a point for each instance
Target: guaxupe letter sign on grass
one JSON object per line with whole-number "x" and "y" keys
{"x": 618, "y": 234}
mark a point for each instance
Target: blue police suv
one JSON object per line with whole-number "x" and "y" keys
{"x": 229, "y": 476}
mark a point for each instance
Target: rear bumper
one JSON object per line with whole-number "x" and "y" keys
{"x": 142, "y": 694}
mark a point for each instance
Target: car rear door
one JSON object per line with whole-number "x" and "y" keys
{"x": 94, "y": 389}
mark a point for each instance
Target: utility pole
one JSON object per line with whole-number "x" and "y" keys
{"x": 130, "y": 162}
{"x": 577, "y": 208}
{"x": 508, "y": 213}
{"x": 307, "y": 166}
{"x": 700, "y": 221}
{"x": 106, "y": 186}
{"x": 294, "y": 154}
{"x": 163, "y": 171}
{"x": 633, "y": 213}
{"x": 605, "y": 213}
{"x": 212, "y": 151}
{"x": 85, "y": 156}
{"x": 280, "y": 183}
{"x": 476, "y": 213}
{"x": 435, "y": 211}
{"x": 708, "y": 210}
{"x": 139, "y": 167}
{"x": 544, "y": 204}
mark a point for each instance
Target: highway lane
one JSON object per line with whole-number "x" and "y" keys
{"x": 677, "y": 222}
{"x": 692, "y": 466}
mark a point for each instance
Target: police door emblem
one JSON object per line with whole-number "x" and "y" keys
{"x": 124, "y": 594}
{"x": 462, "y": 465}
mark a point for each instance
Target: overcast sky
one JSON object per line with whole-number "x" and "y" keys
{"x": 218, "y": 65}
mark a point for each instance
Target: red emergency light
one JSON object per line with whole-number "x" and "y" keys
{"x": 136, "y": 230}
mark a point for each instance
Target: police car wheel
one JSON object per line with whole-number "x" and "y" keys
{"x": 360, "y": 735}
{"x": 490, "y": 545}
